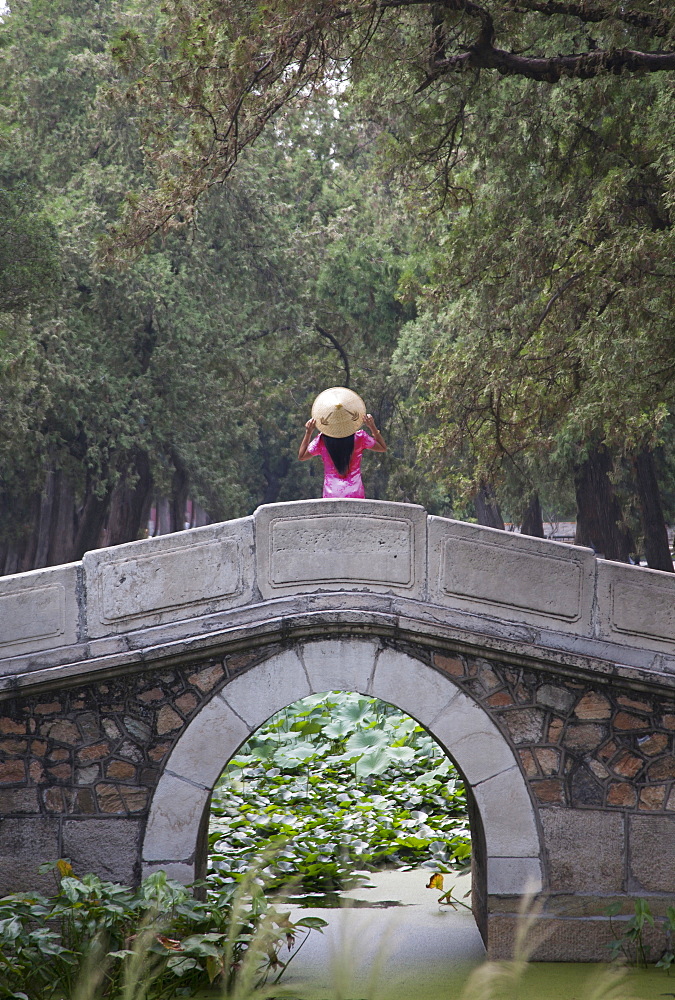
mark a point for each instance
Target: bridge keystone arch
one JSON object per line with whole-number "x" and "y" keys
{"x": 128, "y": 679}
{"x": 507, "y": 837}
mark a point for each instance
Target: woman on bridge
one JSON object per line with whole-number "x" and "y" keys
{"x": 338, "y": 414}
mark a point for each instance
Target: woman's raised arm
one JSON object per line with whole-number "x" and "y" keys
{"x": 379, "y": 440}
{"x": 304, "y": 444}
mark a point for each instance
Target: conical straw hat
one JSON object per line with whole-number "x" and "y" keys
{"x": 338, "y": 412}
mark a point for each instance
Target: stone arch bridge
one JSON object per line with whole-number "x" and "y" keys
{"x": 128, "y": 680}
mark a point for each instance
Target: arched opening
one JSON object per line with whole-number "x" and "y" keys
{"x": 332, "y": 787}
{"x": 506, "y": 846}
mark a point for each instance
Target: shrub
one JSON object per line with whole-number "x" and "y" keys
{"x": 101, "y": 939}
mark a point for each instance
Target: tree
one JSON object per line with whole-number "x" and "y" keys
{"x": 207, "y": 86}
{"x": 189, "y": 370}
{"x": 28, "y": 252}
{"x": 551, "y": 304}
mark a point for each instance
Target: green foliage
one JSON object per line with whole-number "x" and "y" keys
{"x": 28, "y": 253}
{"x": 631, "y": 942}
{"x": 94, "y": 939}
{"x": 337, "y": 782}
{"x": 213, "y": 83}
{"x": 547, "y": 316}
{"x": 197, "y": 362}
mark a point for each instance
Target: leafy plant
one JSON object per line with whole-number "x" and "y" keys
{"x": 631, "y": 941}
{"x": 98, "y": 939}
{"x": 333, "y": 784}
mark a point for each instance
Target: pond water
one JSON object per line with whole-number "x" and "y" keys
{"x": 399, "y": 943}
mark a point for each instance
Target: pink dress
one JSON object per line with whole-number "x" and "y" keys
{"x": 335, "y": 485}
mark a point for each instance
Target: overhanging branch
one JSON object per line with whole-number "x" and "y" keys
{"x": 550, "y": 69}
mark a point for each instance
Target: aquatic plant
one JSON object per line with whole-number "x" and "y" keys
{"x": 630, "y": 941}
{"x": 337, "y": 782}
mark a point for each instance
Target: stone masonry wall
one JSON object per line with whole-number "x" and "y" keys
{"x": 580, "y": 745}
{"x": 92, "y": 753}
{"x": 78, "y": 766}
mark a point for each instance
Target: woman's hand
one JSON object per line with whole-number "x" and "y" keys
{"x": 379, "y": 440}
{"x": 304, "y": 444}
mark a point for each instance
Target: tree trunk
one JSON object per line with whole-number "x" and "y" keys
{"x": 90, "y": 524}
{"x": 62, "y": 543}
{"x": 199, "y": 516}
{"x": 487, "y": 508}
{"x": 130, "y": 505}
{"x": 533, "y": 521}
{"x": 274, "y": 466}
{"x": 44, "y": 527}
{"x": 657, "y": 551}
{"x": 27, "y": 548}
{"x": 274, "y": 475}
{"x": 164, "y": 524}
{"x": 180, "y": 487}
{"x": 11, "y": 560}
{"x": 600, "y": 522}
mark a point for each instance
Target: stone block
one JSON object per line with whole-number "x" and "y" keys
{"x": 339, "y": 664}
{"x": 207, "y": 744}
{"x": 586, "y": 849}
{"x": 473, "y": 741}
{"x": 207, "y": 677}
{"x": 173, "y": 824}
{"x": 271, "y": 686}
{"x": 549, "y": 790}
{"x": 169, "y": 578}
{"x": 652, "y": 798}
{"x": 167, "y": 721}
{"x": 179, "y": 872}
{"x": 555, "y": 697}
{"x": 584, "y": 736}
{"x": 24, "y": 844}
{"x": 652, "y": 853}
{"x": 18, "y": 801}
{"x": 341, "y": 545}
{"x": 526, "y": 725}
{"x": 553, "y": 939}
{"x": 521, "y": 579}
{"x": 621, "y": 793}
{"x": 38, "y": 610}
{"x": 508, "y": 816}
{"x": 109, "y": 848}
{"x": 412, "y": 686}
{"x": 594, "y": 706}
{"x": 514, "y": 876}
{"x": 636, "y": 606}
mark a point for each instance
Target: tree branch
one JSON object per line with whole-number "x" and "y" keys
{"x": 339, "y": 348}
{"x": 483, "y": 54}
{"x": 587, "y": 11}
{"x": 550, "y": 69}
{"x": 590, "y": 14}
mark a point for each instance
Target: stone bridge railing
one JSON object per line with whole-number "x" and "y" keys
{"x": 187, "y": 593}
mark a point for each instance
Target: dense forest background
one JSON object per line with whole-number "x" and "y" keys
{"x": 210, "y": 212}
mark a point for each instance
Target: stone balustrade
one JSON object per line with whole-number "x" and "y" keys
{"x": 145, "y": 595}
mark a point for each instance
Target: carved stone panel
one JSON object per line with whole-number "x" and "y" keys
{"x": 168, "y": 579}
{"x": 341, "y": 545}
{"x": 38, "y": 610}
{"x": 636, "y": 605}
{"x": 512, "y": 576}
